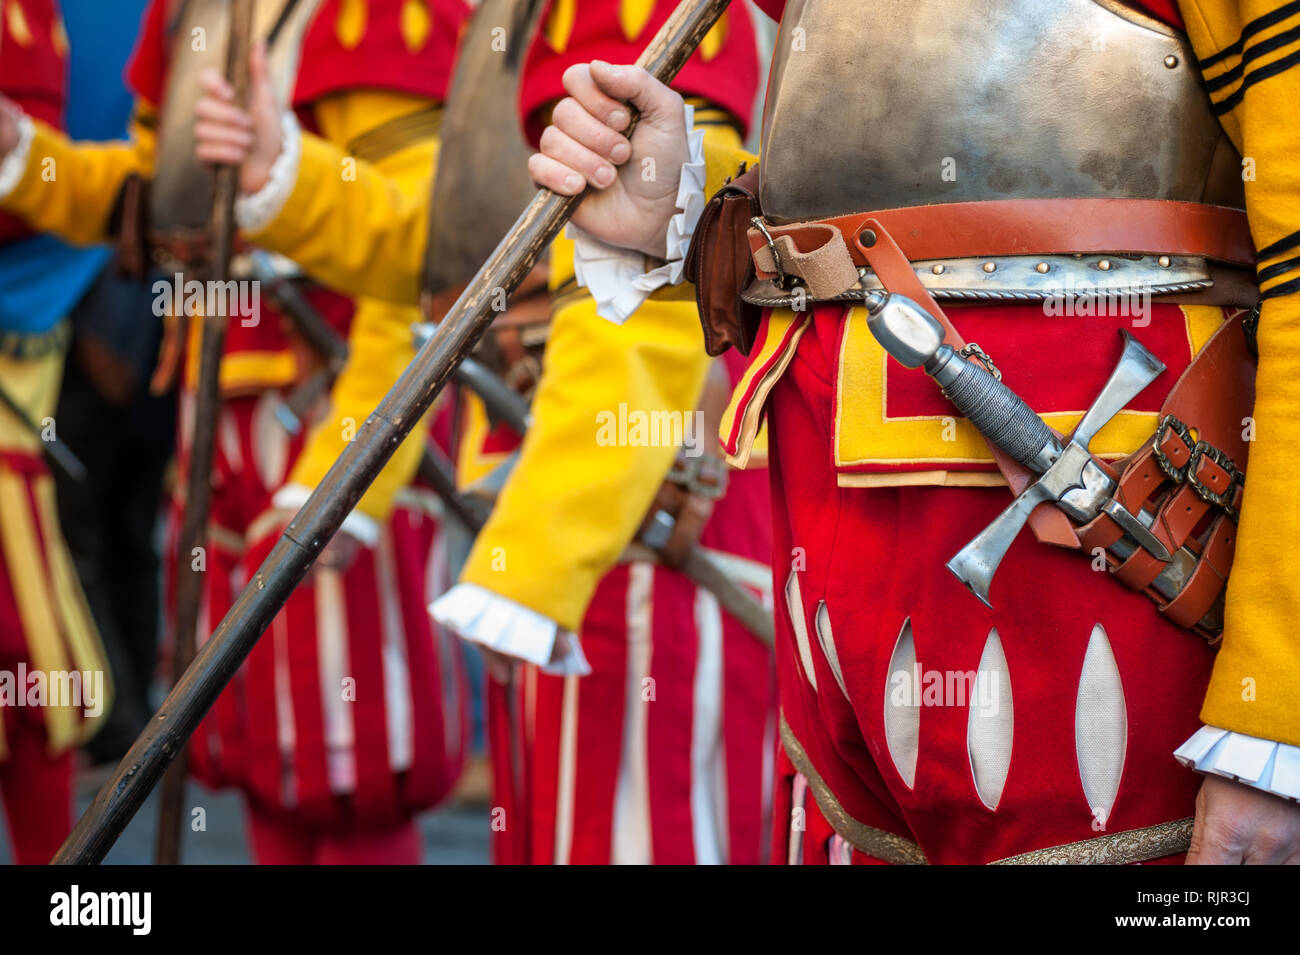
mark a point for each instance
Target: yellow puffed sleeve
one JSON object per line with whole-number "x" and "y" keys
{"x": 69, "y": 188}
{"x": 399, "y": 135}
{"x": 575, "y": 500}
{"x": 1255, "y": 688}
{"x": 350, "y": 226}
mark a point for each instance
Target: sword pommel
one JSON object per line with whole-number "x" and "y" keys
{"x": 914, "y": 338}
{"x": 911, "y": 335}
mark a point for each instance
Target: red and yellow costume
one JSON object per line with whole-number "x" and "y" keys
{"x": 45, "y": 624}
{"x": 349, "y": 716}
{"x": 1065, "y": 752}
{"x": 662, "y": 753}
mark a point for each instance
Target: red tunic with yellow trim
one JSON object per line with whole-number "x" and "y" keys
{"x": 1067, "y": 732}
{"x": 586, "y": 771}
{"x": 45, "y": 623}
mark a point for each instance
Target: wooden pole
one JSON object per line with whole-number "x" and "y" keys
{"x": 191, "y": 559}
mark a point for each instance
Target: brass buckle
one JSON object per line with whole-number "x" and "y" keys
{"x": 1170, "y": 423}
{"x": 1222, "y": 499}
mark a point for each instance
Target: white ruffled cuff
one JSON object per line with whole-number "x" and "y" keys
{"x": 615, "y": 276}
{"x": 291, "y": 497}
{"x": 1261, "y": 763}
{"x": 254, "y": 213}
{"x": 14, "y": 166}
{"x": 498, "y": 623}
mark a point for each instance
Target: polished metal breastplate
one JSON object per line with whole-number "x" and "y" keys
{"x": 180, "y": 201}
{"x": 893, "y": 103}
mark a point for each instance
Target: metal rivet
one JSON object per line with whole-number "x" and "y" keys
{"x": 1171, "y": 61}
{"x": 1163, "y": 261}
{"x": 1104, "y": 265}
{"x": 867, "y": 239}
{"x": 990, "y": 266}
{"x": 937, "y": 269}
{"x": 1041, "y": 267}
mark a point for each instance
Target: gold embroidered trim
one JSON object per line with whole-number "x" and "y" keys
{"x": 1116, "y": 848}
{"x": 877, "y": 843}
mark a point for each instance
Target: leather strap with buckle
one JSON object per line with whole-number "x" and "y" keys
{"x": 825, "y": 254}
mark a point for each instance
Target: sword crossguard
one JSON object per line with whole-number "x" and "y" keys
{"x": 1069, "y": 475}
{"x": 1073, "y": 480}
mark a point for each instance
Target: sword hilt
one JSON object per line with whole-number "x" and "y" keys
{"x": 915, "y": 338}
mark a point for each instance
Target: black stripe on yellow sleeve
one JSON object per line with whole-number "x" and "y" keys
{"x": 1255, "y": 76}
{"x": 1250, "y": 29}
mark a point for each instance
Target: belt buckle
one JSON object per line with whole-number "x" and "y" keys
{"x": 1174, "y": 473}
{"x": 1224, "y": 498}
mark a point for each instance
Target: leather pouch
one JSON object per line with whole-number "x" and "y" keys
{"x": 721, "y": 266}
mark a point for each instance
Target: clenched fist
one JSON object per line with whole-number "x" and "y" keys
{"x": 634, "y": 181}
{"x": 250, "y": 139}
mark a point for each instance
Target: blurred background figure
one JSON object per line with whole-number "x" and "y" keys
{"x": 348, "y": 718}
{"x": 45, "y": 624}
{"x": 121, "y": 431}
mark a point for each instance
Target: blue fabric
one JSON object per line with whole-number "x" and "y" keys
{"x": 42, "y": 278}
{"x": 102, "y": 36}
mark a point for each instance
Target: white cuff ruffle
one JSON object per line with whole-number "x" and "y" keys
{"x": 498, "y": 623}
{"x": 291, "y": 497}
{"x": 254, "y": 213}
{"x": 1261, "y": 763}
{"x": 616, "y": 277}
{"x": 14, "y": 166}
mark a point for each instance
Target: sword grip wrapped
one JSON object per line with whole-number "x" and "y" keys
{"x": 999, "y": 414}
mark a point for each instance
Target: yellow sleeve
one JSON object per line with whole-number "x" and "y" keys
{"x": 69, "y": 188}
{"x": 379, "y": 341}
{"x": 1255, "y": 688}
{"x": 351, "y": 226}
{"x": 577, "y": 495}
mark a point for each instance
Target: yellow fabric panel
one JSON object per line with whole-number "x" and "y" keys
{"x": 379, "y": 341}
{"x": 866, "y": 435}
{"x": 38, "y": 608}
{"x": 57, "y": 626}
{"x": 572, "y": 505}
{"x": 34, "y": 384}
{"x": 69, "y": 188}
{"x": 1255, "y": 688}
{"x": 351, "y": 226}
{"x": 778, "y": 337}
{"x": 79, "y": 630}
{"x": 473, "y": 464}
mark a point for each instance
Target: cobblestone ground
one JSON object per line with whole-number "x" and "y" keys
{"x": 455, "y": 834}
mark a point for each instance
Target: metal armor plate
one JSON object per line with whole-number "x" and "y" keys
{"x": 898, "y": 103}
{"x": 180, "y": 202}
